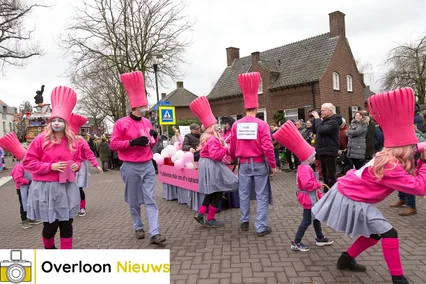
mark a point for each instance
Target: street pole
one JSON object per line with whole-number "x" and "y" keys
{"x": 156, "y": 81}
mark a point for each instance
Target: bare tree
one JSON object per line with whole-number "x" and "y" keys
{"x": 15, "y": 40}
{"x": 25, "y": 107}
{"x": 117, "y": 36}
{"x": 407, "y": 68}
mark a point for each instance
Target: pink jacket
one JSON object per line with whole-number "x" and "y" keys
{"x": 259, "y": 148}
{"x": 38, "y": 160}
{"x": 18, "y": 174}
{"x": 126, "y": 129}
{"x": 213, "y": 149}
{"x": 363, "y": 186}
{"x": 306, "y": 181}
{"x": 86, "y": 153}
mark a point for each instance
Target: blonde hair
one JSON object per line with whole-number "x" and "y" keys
{"x": 394, "y": 156}
{"x": 50, "y": 139}
{"x": 209, "y": 132}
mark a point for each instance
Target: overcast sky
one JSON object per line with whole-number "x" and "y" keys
{"x": 372, "y": 28}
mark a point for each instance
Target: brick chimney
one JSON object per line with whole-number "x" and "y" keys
{"x": 179, "y": 84}
{"x": 337, "y": 24}
{"x": 255, "y": 57}
{"x": 163, "y": 95}
{"x": 232, "y": 53}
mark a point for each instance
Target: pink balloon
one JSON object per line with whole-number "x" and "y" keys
{"x": 188, "y": 157}
{"x": 177, "y": 145}
{"x": 179, "y": 164}
{"x": 160, "y": 161}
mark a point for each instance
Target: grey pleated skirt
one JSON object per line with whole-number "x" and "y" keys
{"x": 215, "y": 177}
{"x": 82, "y": 175}
{"x": 50, "y": 201}
{"x": 354, "y": 218}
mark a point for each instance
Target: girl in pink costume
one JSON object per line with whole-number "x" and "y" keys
{"x": 53, "y": 158}
{"x": 214, "y": 176}
{"x": 77, "y": 121}
{"x": 308, "y": 187}
{"x": 21, "y": 177}
{"x": 349, "y": 206}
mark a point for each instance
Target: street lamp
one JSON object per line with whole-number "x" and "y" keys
{"x": 156, "y": 60}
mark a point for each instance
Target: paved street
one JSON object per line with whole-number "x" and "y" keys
{"x": 226, "y": 255}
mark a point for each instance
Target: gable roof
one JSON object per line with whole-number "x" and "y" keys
{"x": 292, "y": 64}
{"x": 180, "y": 97}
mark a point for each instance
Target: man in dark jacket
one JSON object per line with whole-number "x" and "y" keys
{"x": 327, "y": 141}
{"x": 192, "y": 141}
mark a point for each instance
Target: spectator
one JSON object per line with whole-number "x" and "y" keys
{"x": 191, "y": 141}
{"x": 418, "y": 119}
{"x": 357, "y": 142}
{"x": 277, "y": 146}
{"x": 327, "y": 141}
{"x": 104, "y": 153}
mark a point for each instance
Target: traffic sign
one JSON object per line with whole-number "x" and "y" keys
{"x": 167, "y": 115}
{"x": 161, "y": 103}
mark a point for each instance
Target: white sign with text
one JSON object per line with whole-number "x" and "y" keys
{"x": 247, "y": 131}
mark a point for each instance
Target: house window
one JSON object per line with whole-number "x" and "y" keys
{"x": 10, "y": 126}
{"x": 292, "y": 114}
{"x": 349, "y": 82}
{"x": 336, "y": 85}
{"x": 4, "y": 114}
{"x": 260, "y": 89}
{"x": 261, "y": 114}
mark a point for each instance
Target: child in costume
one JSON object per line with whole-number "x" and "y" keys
{"x": 53, "y": 158}
{"x": 308, "y": 187}
{"x": 21, "y": 177}
{"x": 82, "y": 177}
{"x": 349, "y": 206}
{"x": 214, "y": 176}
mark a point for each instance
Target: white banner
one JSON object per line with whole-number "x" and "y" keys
{"x": 85, "y": 266}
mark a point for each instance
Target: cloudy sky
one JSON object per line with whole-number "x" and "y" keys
{"x": 372, "y": 28}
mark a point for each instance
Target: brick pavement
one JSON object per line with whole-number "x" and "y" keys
{"x": 225, "y": 255}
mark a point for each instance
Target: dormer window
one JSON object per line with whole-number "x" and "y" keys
{"x": 260, "y": 89}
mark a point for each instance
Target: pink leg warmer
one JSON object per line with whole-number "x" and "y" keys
{"x": 360, "y": 245}
{"x": 202, "y": 209}
{"x": 212, "y": 212}
{"x": 49, "y": 243}
{"x": 83, "y": 204}
{"x": 390, "y": 248}
{"x": 66, "y": 243}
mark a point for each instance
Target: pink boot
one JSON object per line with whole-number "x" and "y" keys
{"x": 49, "y": 243}
{"x": 66, "y": 243}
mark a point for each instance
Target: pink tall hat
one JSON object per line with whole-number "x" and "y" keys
{"x": 201, "y": 108}
{"x": 394, "y": 112}
{"x": 134, "y": 84}
{"x": 289, "y": 136}
{"x": 77, "y": 121}
{"x": 249, "y": 84}
{"x": 10, "y": 143}
{"x": 63, "y": 100}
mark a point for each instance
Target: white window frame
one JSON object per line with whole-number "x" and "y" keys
{"x": 288, "y": 117}
{"x": 336, "y": 81}
{"x": 260, "y": 89}
{"x": 263, "y": 110}
{"x": 349, "y": 83}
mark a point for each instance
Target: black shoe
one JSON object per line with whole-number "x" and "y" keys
{"x": 399, "y": 280}
{"x": 157, "y": 239}
{"x": 244, "y": 226}
{"x": 347, "y": 262}
{"x": 213, "y": 224}
{"x": 140, "y": 234}
{"x": 51, "y": 248}
{"x": 199, "y": 218}
{"x": 267, "y": 231}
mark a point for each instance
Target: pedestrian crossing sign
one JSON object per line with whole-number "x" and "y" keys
{"x": 167, "y": 115}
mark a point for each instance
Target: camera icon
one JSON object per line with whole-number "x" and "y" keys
{"x": 15, "y": 270}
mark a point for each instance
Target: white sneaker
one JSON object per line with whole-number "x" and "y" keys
{"x": 82, "y": 212}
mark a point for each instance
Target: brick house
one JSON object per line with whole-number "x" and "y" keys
{"x": 295, "y": 77}
{"x": 180, "y": 99}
